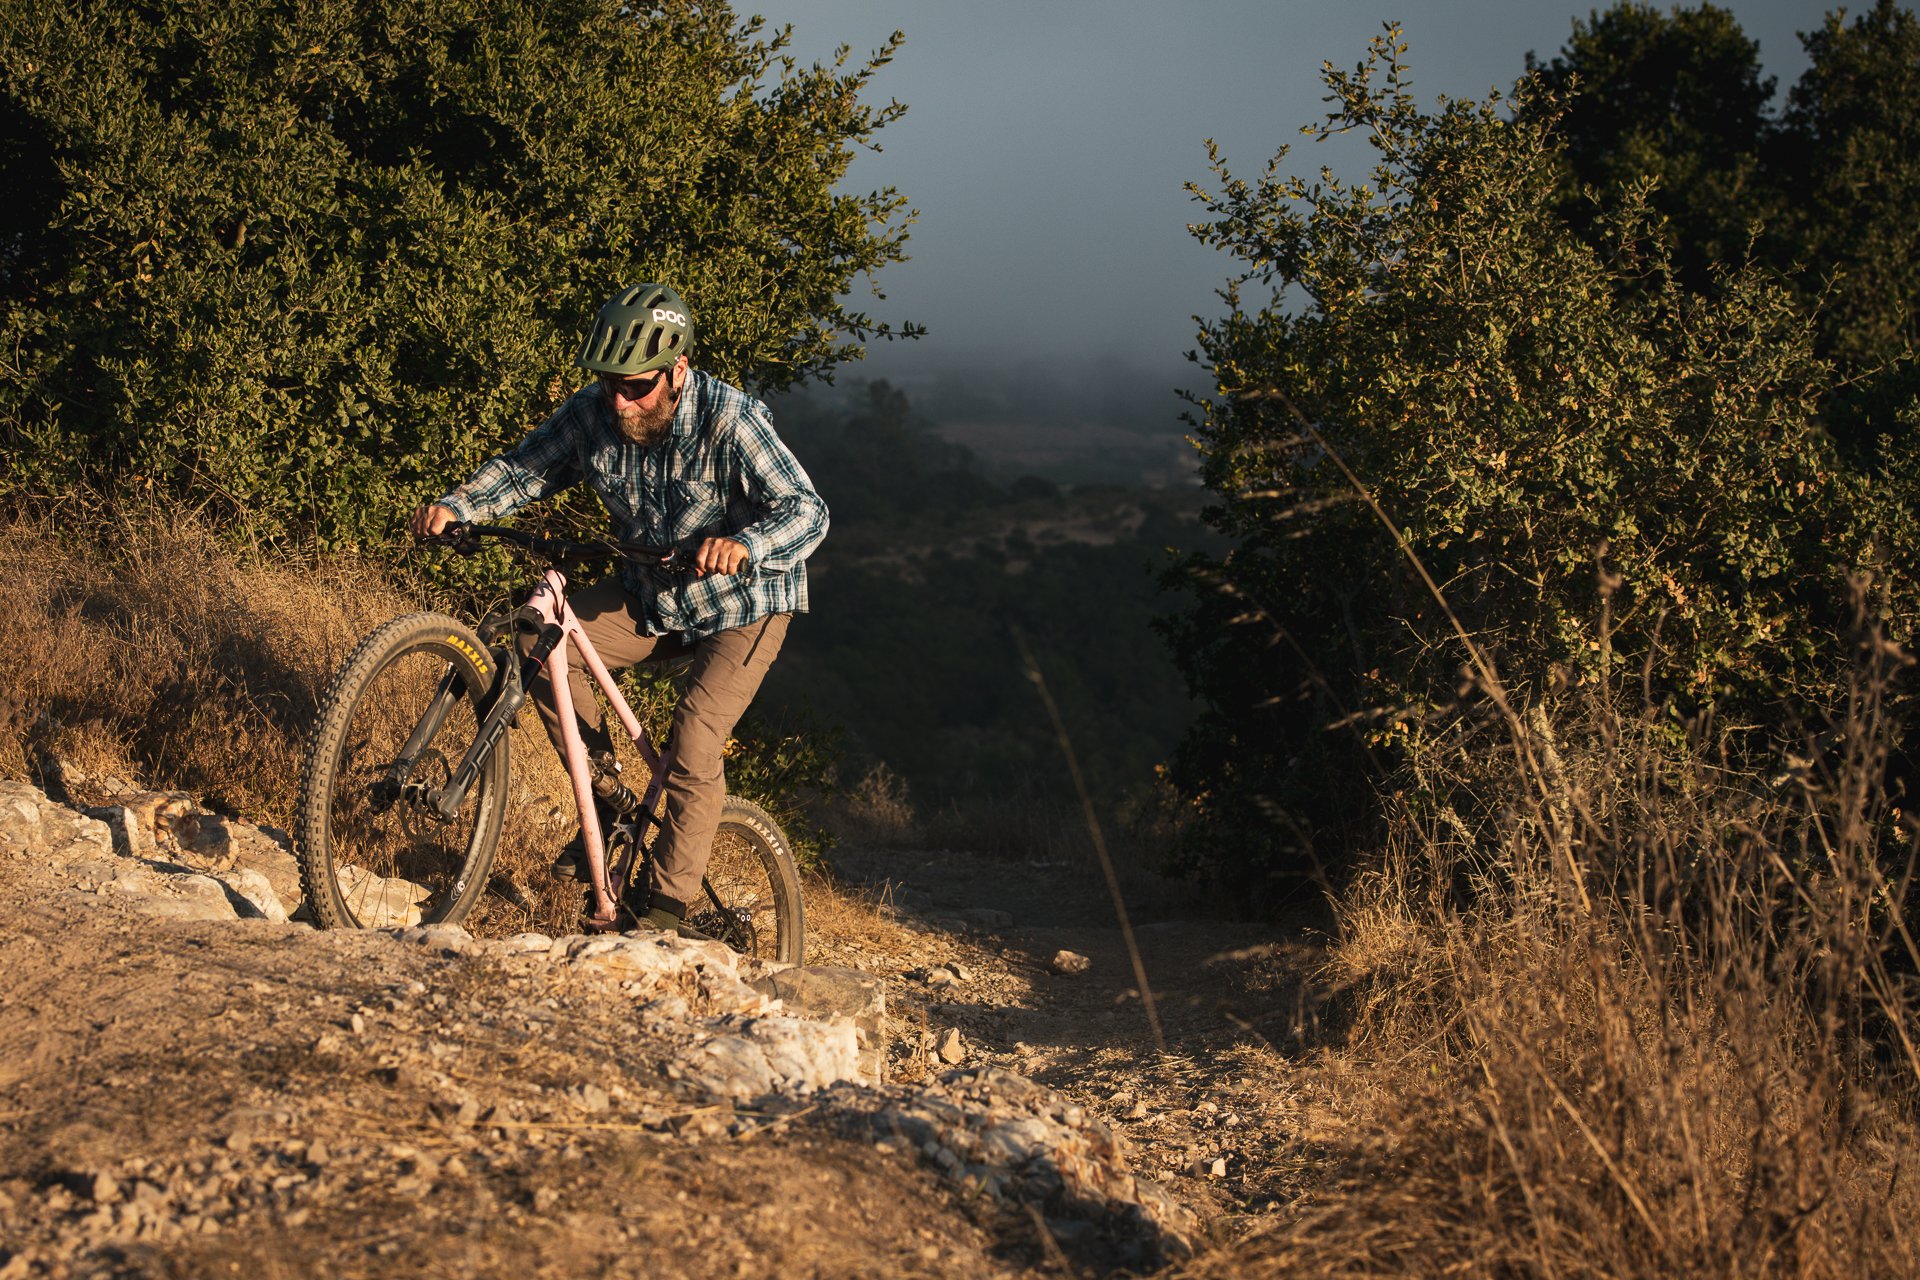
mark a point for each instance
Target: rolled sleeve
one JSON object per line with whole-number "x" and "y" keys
{"x": 793, "y": 516}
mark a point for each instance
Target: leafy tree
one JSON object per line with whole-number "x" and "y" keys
{"x": 1675, "y": 100}
{"x": 1849, "y": 155}
{"x": 307, "y": 260}
{"x": 1535, "y": 415}
{"x": 1819, "y": 194}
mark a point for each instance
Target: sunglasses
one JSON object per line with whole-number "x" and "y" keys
{"x": 632, "y": 388}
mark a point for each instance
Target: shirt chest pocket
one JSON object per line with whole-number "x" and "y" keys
{"x": 698, "y": 509}
{"x": 610, "y": 475}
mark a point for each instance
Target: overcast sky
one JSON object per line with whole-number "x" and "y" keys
{"x": 1046, "y": 143}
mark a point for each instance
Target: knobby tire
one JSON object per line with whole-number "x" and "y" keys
{"x": 371, "y": 860}
{"x": 750, "y": 896}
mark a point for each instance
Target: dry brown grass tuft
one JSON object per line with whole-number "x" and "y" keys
{"x": 150, "y": 654}
{"x": 1647, "y": 1016}
{"x": 876, "y": 810}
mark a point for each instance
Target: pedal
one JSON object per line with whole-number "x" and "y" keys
{"x": 618, "y": 922}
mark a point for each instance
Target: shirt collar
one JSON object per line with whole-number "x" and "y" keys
{"x": 687, "y": 412}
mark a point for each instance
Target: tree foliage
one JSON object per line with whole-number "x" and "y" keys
{"x": 1849, "y": 157}
{"x": 1676, "y": 99}
{"x": 1553, "y": 416}
{"x": 307, "y": 261}
{"x": 1672, "y": 107}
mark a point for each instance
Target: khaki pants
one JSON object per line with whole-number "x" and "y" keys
{"x": 727, "y": 669}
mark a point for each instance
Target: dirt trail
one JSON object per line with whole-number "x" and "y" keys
{"x": 1228, "y": 996}
{"x": 256, "y": 1099}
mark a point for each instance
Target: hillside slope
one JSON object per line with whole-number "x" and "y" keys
{"x": 186, "y": 1096}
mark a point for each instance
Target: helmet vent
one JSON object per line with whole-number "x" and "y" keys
{"x": 635, "y": 331}
{"x": 660, "y": 339}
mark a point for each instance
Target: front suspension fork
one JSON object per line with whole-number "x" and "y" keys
{"x": 446, "y": 802}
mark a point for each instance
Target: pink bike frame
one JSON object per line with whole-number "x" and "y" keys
{"x": 549, "y": 601}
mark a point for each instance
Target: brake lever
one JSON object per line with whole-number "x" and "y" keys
{"x": 461, "y": 539}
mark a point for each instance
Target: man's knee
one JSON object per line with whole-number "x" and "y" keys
{"x": 698, "y": 748}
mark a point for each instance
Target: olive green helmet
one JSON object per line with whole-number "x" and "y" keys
{"x": 642, "y": 328}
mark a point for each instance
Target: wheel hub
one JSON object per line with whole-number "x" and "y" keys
{"x": 430, "y": 776}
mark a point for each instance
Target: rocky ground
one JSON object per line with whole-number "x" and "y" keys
{"x": 965, "y": 1080}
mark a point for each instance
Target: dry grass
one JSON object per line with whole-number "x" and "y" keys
{"x": 151, "y": 655}
{"x": 1621, "y": 1006}
{"x": 1644, "y": 1016}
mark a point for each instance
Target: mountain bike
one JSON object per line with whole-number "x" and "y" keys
{"x": 405, "y": 787}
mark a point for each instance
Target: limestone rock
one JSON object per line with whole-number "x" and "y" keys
{"x": 807, "y": 1054}
{"x": 176, "y": 897}
{"x": 521, "y": 944}
{"x": 1001, "y": 1134}
{"x": 772, "y": 1053}
{"x": 130, "y": 840}
{"x": 729, "y": 1067}
{"x": 32, "y": 825}
{"x": 834, "y": 990}
{"x": 253, "y": 898}
{"x": 379, "y": 902}
{"x": 1070, "y": 962}
{"x": 206, "y": 835}
{"x": 642, "y": 957}
{"x": 450, "y": 938}
{"x": 270, "y": 853}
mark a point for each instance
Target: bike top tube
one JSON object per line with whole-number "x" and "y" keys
{"x": 465, "y": 540}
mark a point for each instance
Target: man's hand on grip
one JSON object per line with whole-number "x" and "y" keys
{"x": 431, "y": 520}
{"x": 719, "y": 555}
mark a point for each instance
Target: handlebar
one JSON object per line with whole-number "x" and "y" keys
{"x": 465, "y": 539}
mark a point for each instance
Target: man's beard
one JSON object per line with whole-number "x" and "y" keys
{"x": 646, "y": 426}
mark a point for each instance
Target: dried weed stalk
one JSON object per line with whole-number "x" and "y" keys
{"x": 149, "y": 656}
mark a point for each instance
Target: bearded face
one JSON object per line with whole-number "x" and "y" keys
{"x": 643, "y": 407}
{"x": 644, "y": 424}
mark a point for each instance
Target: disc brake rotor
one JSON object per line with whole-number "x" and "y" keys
{"x": 431, "y": 773}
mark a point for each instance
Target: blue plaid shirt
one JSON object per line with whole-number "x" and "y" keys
{"x": 720, "y": 472}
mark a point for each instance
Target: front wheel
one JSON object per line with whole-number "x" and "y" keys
{"x": 374, "y": 849}
{"x": 750, "y": 897}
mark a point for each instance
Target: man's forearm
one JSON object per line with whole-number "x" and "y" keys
{"x": 793, "y": 527}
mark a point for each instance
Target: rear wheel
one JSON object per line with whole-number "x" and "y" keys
{"x": 374, "y": 851}
{"x": 750, "y": 898}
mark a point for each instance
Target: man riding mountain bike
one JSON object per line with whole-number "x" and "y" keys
{"x": 681, "y": 459}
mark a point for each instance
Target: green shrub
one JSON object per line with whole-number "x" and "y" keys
{"x": 307, "y": 262}
{"x": 1539, "y": 417}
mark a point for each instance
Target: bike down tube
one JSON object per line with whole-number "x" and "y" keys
{"x": 656, "y": 761}
{"x": 578, "y": 772}
{"x": 573, "y": 750}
